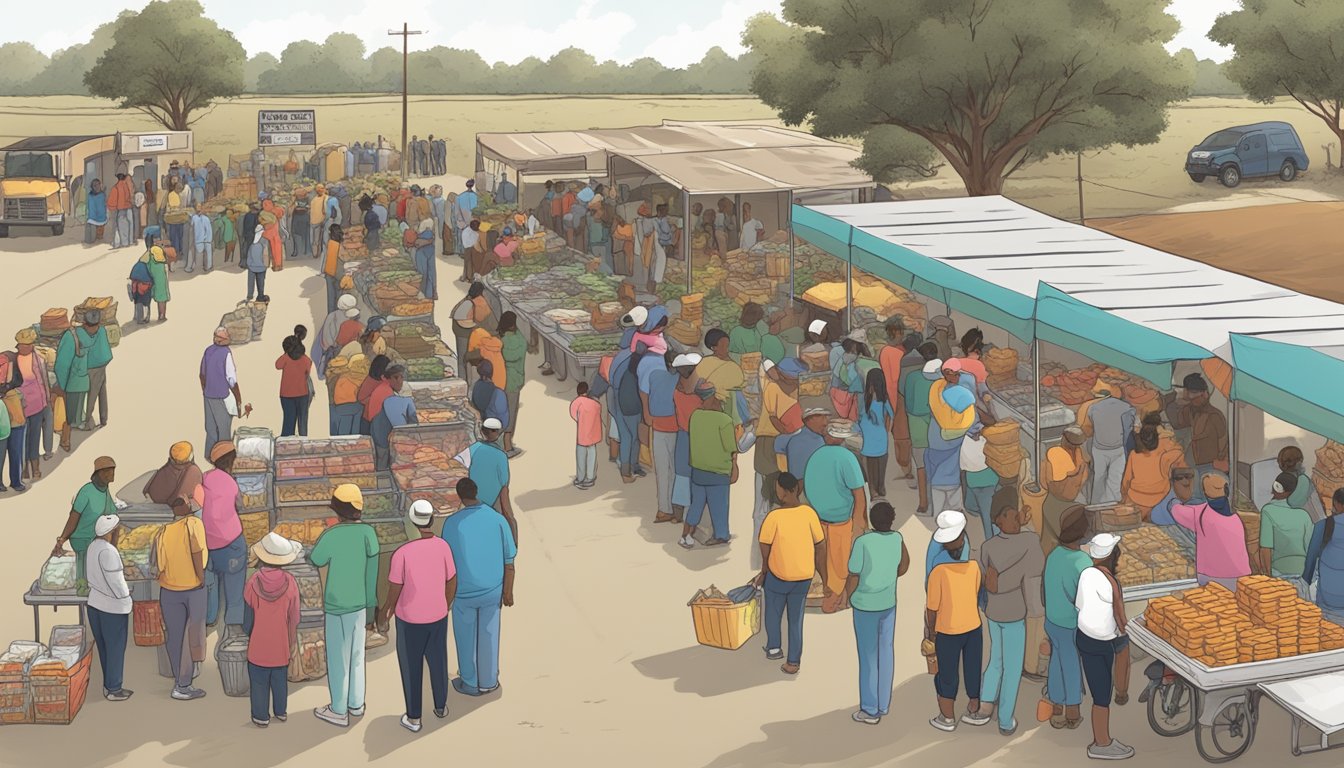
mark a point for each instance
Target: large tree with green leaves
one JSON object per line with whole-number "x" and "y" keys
{"x": 170, "y": 62}
{"x": 1292, "y": 47}
{"x": 988, "y": 85}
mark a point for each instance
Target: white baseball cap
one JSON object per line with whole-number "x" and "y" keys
{"x": 636, "y": 317}
{"x": 689, "y": 358}
{"x": 767, "y": 364}
{"x": 105, "y": 524}
{"x": 934, "y": 367}
{"x": 1101, "y": 546}
{"x": 951, "y": 524}
{"x": 817, "y": 327}
{"x": 421, "y": 513}
{"x": 491, "y": 423}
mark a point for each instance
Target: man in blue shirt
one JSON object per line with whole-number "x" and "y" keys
{"x": 203, "y": 239}
{"x": 483, "y": 551}
{"x": 463, "y": 211}
{"x": 488, "y": 399}
{"x": 657, "y": 387}
{"x": 488, "y": 468}
{"x": 798, "y": 447}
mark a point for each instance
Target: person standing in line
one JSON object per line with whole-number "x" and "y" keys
{"x": 1325, "y": 562}
{"x": 483, "y": 548}
{"x": 183, "y": 556}
{"x": 176, "y": 481}
{"x": 95, "y": 213}
{"x": 915, "y": 389}
{"x": 37, "y": 411}
{"x": 301, "y": 225}
{"x": 878, "y": 560}
{"x": 1111, "y": 422}
{"x": 1102, "y": 643}
{"x": 318, "y": 226}
{"x": 889, "y": 360}
{"x": 719, "y": 370}
{"x": 16, "y": 432}
{"x": 120, "y": 211}
{"x": 875, "y": 418}
{"x": 514, "y": 353}
{"x": 331, "y": 333}
{"x": 834, "y": 484}
{"x": 463, "y": 212}
{"x": 219, "y": 500}
{"x": 349, "y": 552}
{"x": 686, "y": 402}
{"x": 1220, "y": 537}
{"x": 439, "y": 211}
{"x": 203, "y": 238}
{"x": 1013, "y": 566}
{"x": 92, "y": 337}
{"x": 219, "y": 383}
{"x": 713, "y": 459}
{"x": 1285, "y": 535}
{"x": 226, "y": 235}
{"x": 156, "y": 264}
{"x": 980, "y": 481}
{"x": 587, "y": 415}
{"x": 794, "y": 450}
{"x": 952, "y": 627}
{"x": 109, "y": 605}
{"x": 425, "y": 262}
{"x": 271, "y": 621}
{"x": 422, "y": 583}
{"x": 257, "y": 261}
{"x": 92, "y": 501}
{"x": 72, "y": 380}
{"x": 296, "y": 384}
{"x": 780, "y": 415}
{"x": 398, "y": 411}
{"x": 1064, "y": 475}
{"x": 1063, "y": 566}
{"x": 791, "y": 552}
{"x": 657, "y": 387}
{"x": 488, "y": 467}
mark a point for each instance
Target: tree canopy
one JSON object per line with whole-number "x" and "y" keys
{"x": 987, "y": 86}
{"x": 1294, "y": 48}
{"x": 169, "y": 62}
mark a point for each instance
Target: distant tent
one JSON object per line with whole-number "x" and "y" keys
{"x": 330, "y": 162}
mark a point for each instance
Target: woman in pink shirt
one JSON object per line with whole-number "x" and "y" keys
{"x": 1220, "y": 536}
{"x": 219, "y": 499}
{"x": 422, "y": 584}
{"x": 972, "y": 346}
{"x": 587, "y": 414}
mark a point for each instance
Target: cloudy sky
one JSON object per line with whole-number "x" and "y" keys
{"x": 674, "y": 33}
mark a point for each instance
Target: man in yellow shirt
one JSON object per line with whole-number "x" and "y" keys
{"x": 182, "y": 555}
{"x": 780, "y": 415}
{"x": 952, "y": 630}
{"x": 719, "y": 370}
{"x": 791, "y": 549}
{"x": 317, "y": 217}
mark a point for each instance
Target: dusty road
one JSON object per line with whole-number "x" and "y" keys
{"x": 600, "y": 665}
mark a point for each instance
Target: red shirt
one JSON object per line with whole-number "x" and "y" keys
{"x": 273, "y": 596}
{"x": 376, "y": 399}
{"x": 348, "y": 332}
{"x": 686, "y": 404}
{"x": 366, "y": 390}
{"x": 293, "y": 375}
{"x": 587, "y": 415}
{"x": 890, "y": 360}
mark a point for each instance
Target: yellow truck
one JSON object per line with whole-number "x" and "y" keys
{"x": 35, "y": 190}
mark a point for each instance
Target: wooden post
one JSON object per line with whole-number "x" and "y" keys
{"x": 1082, "y": 218}
{"x": 405, "y": 35}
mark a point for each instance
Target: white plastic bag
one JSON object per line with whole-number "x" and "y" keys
{"x": 973, "y": 454}
{"x": 58, "y": 574}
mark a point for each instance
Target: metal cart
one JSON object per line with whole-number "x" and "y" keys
{"x": 1222, "y": 704}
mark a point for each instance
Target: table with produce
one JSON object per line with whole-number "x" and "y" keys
{"x": 425, "y": 465}
{"x": 309, "y": 469}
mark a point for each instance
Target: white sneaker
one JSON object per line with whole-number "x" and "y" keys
{"x": 326, "y": 715}
{"x": 413, "y": 726}
{"x": 943, "y": 723}
{"x": 976, "y": 718}
{"x": 686, "y": 542}
{"x": 356, "y": 711}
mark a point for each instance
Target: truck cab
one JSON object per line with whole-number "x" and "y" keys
{"x": 35, "y": 188}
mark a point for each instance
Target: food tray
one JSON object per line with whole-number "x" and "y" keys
{"x": 391, "y": 534}
{"x": 255, "y": 492}
{"x": 380, "y": 504}
{"x": 427, "y": 453}
{"x": 256, "y": 449}
{"x": 321, "y": 447}
{"x": 319, "y": 489}
{"x": 308, "y": 467}
{"x": 1247, "y": 674}
{"x": 444, "y": 500}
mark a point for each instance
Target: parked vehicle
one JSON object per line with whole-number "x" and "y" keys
{"x": 1248, "y": 151}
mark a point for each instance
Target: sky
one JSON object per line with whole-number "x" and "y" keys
{"x": 675, "y": 34}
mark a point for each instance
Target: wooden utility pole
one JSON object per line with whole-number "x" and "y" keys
{"x": 405, "y": 35}
{"x": 1082, "y": 219}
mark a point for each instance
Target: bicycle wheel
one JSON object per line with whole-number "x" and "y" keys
{"x": 1171, "y": 710}
{"x": 1231, "y": 734}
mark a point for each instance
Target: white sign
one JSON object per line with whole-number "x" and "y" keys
{"x": 153, "y": 143}
{"x": 286, "y": 128}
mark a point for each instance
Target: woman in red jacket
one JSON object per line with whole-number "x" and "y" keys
{"x": 271, "y": 621}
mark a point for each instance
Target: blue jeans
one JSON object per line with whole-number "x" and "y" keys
{"x": 1065, "y": 683}
{"x": 333, "y": 292}
{"x": 875, "y": 635}
{"x": 294, "y": 411}
{"x": 269, "y": 691}
{"x": 418, "y": 645}
{"x": 346, "y": 419}
{"x": 709, "y": 489}
{"x": 1003, "y": 675}
{"x": 13, "y": 448}
{"x": 628, "y": 433}
{"x": 1098, "y": 659}
{"x": 779, "y": 595}
{"x": 109, "y": 634}
{"x": 429, "y": 274}
{"x": 978, "y": 502}
{"x": 344, "y": 634}
{"x": 228, "y": 564}
{"x": 476, "y": 632}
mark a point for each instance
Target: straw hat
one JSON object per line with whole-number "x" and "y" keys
{"x": 274, "y": 549}
{"x": 25, "y": 336}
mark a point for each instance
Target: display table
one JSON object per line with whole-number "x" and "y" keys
{"x": 39, "y": 599}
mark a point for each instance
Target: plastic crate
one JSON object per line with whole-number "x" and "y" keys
{"x": 728, "y": 627}
{"x": 59, "y": 694}
{"x": 16, "y": 701}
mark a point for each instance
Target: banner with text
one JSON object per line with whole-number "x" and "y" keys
{"x": 287, "y": 128}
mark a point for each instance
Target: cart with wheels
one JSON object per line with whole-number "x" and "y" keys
{"x": 1222, "y": 704}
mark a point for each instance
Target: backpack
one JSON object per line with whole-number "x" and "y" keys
{"x": 627, "y": 396}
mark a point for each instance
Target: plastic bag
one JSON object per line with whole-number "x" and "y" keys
{"x": 58, "y": 574}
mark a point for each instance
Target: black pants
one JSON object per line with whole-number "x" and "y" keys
{"x": 418, "y": 645}
{"x": 966, "y": 649}
{"x": 875, "y": 467}
{"x": 269, "y": 685}
{"x": 257, "y": 281}
{"x": 1099, "y": 665}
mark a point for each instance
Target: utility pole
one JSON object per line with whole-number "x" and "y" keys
{"x": 405, "y": 35}
{"x": 1082, "y": 219}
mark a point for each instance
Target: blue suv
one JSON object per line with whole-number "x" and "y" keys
{"x": 1262, "y": 149}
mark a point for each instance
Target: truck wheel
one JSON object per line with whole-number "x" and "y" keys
{"x": 1198, "y": 178}
{"x": 57, "y": 230}
{"x": 1230, "y": 176}
{"x": 1288, "y": 172}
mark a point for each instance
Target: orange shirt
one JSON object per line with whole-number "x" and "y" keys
{"x": 293, "y": 375}
{"x": 976, "y": 368}
{"x": 332, "y": 263}
{"x": 587, "y": 414}
{"x": 345, "y": 391}
{"x": 890, "y": 360}
{"x": 491, "y": 349}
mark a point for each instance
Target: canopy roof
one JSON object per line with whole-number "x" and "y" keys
{"x": 1121, "y": 302}
{"x": 762, "y": 169}
{"x": 587, "y": 151}
{"x": 50, "y": 143}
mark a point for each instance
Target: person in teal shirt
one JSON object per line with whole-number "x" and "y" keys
{"x": 488, "y": 467}
{"x": 915, "y": 388}
{"x": 92, "y": 338}
{"x": 1285, "y": 535}
{"x": 72, "y": 377}
{"x": 833, "y": 482}
{"x": 483, "y": 551}
{"x": 879, "y": 558}
{"x": 515, "y": 357}
{"x": 1290, "y": 461}
{"x": 349, "y": 552}
{"x": 94, "y": 500}
{"x": 1063, "y": 567}
{"x": 746, "y": 338}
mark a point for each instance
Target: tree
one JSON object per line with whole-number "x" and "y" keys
{"x": 990, "y": 86}
{"x": 169, "y": 62}
{"x": 1293, "y": 47}
{"x": 65, "y": 74}
{"x": 257, "y": 66}
{"x": 20, "y": 64}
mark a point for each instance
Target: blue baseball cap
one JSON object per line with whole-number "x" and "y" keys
{"x": 790, "y": 367}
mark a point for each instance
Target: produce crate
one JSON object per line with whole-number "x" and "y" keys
{"x": 16, "y": 700}
{"x": 441, "y": 401}
{"x": 320, "y": 489}
{"x": 378, "y": 504}
{"x": 256, "y": 449}
{"x": 723, "y": 624}
{"x": 58, "y": 691}
{"x": 255, "y": 526}
{"x": 321, "y": 447}
{"x": 308, "y": 458}
{"x": 255, "y": 491}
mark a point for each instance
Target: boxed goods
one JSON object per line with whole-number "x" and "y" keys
{"x": 424, "y": 457}
{"x": 16, "y": 701}
{"x": 255, "y": 526}
{"x": 56, "y": 319}
{"x": 60, "y": 678}
{"x": 306, "y": 532}
{"x": 316, "y": 490}
{"x": 1152, "y": 556}
{"x": 255, "y": 492}
{"x": 255, "y": 447}
{"x": 310, "y": 663}
{"x": 310, "y": 587}
{"x": 444, "y": 500}
{"x": 306, "y": 446}
{"x": 720, "y": 622}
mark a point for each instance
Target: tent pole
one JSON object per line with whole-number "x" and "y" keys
{"x": 1036, "y": 396}
{"x": 1232, "y": 450}
{"x": 789, "y": 216}
{"x": 849, "y": 292}
{"x": 686, "y": 236}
